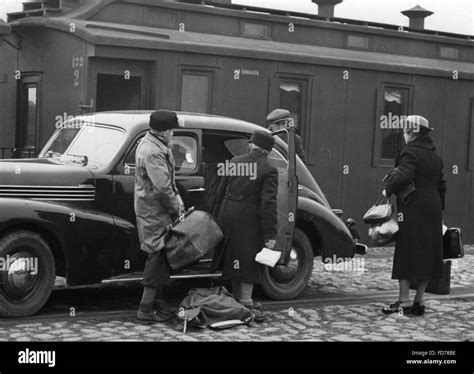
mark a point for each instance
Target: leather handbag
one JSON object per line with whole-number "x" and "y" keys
{"x": 452, "y": 244}
{"x": 380, "y": 212}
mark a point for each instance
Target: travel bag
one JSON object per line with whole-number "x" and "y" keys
{"x": 190, "y": 238}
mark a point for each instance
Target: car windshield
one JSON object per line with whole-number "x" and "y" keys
{"x": 87, "y": 144}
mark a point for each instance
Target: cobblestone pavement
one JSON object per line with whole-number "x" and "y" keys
{"x": 445, "y": 319}
{"x": 376, "y": 274}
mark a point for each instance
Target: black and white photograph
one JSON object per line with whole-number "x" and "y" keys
{"x": 276, "y": 183}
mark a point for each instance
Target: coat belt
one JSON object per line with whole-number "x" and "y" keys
{"x": 243, "y": 198}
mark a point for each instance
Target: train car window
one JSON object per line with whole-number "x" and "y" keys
{"x": 196, "y": 91}
{"x": 291, "y": 98}
{"x": 28, "y": 116}
{"x": 394, "y": 108}
{"x": 394, "y": 103}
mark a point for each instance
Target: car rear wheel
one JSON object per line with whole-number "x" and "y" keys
{"x": 284, "y": 282}
{"x": 27, "y": 273}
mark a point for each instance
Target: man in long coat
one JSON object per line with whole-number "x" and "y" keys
{"x": 248, "y": 218}
{"x": 419, "y": 243}
{"x": 157, "y": 201}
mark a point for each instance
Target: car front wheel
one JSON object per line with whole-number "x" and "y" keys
{"x": 27, "y": 273}
{"x": 284, "y": 282}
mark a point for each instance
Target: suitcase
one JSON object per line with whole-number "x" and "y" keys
{"x": 441, "y": 286}
{"x": 191, "y": 238}
{"x": 452, "y": 244}
{"x": 438, "y": 286}
{"x": 452, "y": 250}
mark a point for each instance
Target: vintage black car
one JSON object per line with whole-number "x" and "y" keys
{"x": 69, "y": 213}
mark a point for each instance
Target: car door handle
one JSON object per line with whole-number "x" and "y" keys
{"x": 300, "y": 187}
{"x": 200, "y": 189}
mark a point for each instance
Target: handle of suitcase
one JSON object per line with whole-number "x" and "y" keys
{"x": 179, "y": 219}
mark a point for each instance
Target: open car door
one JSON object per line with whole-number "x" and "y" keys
{"x": 287, "y": 193}
{"x": 291, "y": 274}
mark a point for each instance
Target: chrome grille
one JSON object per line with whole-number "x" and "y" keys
{"x": 56, "y": 193}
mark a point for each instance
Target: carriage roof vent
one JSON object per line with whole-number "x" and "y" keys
{"x": 417, "y": 17}
{"x": 326, "y": 7}
{"x": 37, "y": 8}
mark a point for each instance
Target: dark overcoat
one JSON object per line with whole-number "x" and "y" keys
{"x": 248, "y": 218}
{"x": 419, "y": 243}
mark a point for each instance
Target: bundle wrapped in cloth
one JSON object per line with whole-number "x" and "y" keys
{"x": 384, "y": 233}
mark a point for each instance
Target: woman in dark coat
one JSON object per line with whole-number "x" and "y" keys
{"x": 419, "y": 244}
{"x": 248, "y": 218}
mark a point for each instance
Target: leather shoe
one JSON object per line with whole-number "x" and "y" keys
{"x": 396, "y": 308}
{"x": 260, "y": 315}
{"x": 417, "y": 309}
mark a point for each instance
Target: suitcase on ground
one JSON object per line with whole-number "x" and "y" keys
{"x": 452, "y": 244}
{"x": 452, "y": 250}
{"x": 440, "y": 286}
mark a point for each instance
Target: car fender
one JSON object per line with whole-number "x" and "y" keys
{"x": 335, "y": 237}
{"x": 90, "y": 240}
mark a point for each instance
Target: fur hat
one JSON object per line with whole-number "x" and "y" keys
{"x": 163, "y": 120}
{"x": 263, "y": 139}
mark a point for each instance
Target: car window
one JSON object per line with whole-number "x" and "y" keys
{"x": 184, "y": 148}
{"x": 277, "y": 160}
{"x": 99, "y": 144}
{"x": 131, "y": 160}
{"x": 240, "y": 146}
{"x": 237, "y": 146}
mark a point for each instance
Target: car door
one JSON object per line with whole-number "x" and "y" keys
{"x": 185, "y": 146}
{"x": 287, "y": 193}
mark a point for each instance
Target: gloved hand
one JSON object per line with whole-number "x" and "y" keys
{"x": 181, "y": 207}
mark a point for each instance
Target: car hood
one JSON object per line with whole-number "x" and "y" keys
{"x": 44, "y": 179}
